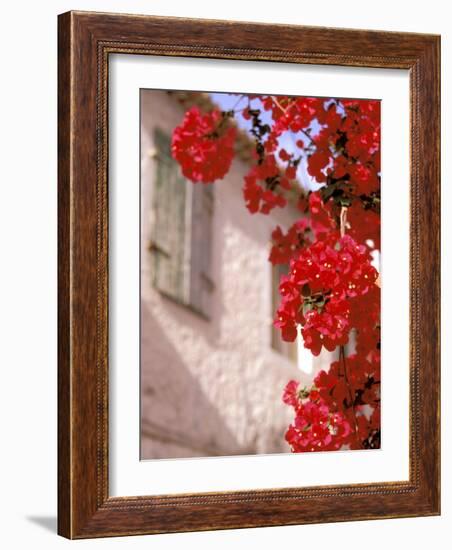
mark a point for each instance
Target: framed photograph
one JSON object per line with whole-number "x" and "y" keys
{"x": 248, "y": 275}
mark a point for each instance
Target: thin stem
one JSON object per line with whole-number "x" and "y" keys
{"x": 279, "y": 104}
{"x": 241, "y": 96}
{"x": 351, "y": 396}
{"x": 302, "y": 130}
{"x": 343, "y": 220}
{"x": 308, "y": 136}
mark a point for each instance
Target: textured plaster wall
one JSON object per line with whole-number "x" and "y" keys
{"x": 212, "y": 387}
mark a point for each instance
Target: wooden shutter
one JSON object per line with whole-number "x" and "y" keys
{"x": 181, "y": 234}
{"x": 168, "y": 234}
{"x": 201, "y": 284}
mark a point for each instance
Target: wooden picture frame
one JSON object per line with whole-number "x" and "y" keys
{"x": 85, "y": 42}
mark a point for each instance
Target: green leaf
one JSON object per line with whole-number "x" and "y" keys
{"x": 327, "y": 191}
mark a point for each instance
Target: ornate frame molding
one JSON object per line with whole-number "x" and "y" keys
{"x": 85, "y": 42}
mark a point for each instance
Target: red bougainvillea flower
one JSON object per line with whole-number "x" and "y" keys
{"x": 203, "y": 145}
{"x": 289, "y": 313}
{"x": 364, "y": 177}
{"x": 315, "y": 427}
{"x": 361, "y": 375}
{"x": 321, "y": 213}
{"x": 290, "y": 395}
{"x": 292, "y": 113}
{"x": 329, "y": 116}
{"x": 362, "y": 124}
{"x": 286, "y": 244}
{"x": 317, "y": 162}
{"x": 338, "y": 265}
{"x": 319, "y": 291}
{"x": 260, "y": 189}
{"x": 330, "y": 291}
{"x": 368, "y": 339}
{"x": 328, "y": 328}
{"x": 358, "y": 398}
{"x": 350, "y": 410}
{"x": 364, "y": 225}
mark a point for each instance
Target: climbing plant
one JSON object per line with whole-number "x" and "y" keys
{"x": 331, "y": 293}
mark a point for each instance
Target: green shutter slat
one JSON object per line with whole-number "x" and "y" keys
{"x": 168, "y": 235}
{"x": 182, "y": 233}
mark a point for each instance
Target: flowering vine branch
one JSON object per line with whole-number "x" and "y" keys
{"x": 331, "y": 292}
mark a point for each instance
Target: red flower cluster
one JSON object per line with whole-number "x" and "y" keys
{"x": 292, "y": 113}
{"x": 315, "y": 427}
{"x": 363, "y": 378}
{"x": 286, "y": 244}
{"x": 203, "y": 146}
{"x": 261, "y": 184}
{"x": 364, "y": 224}
{"x": 318, "y": 293}
{"x": 317, "y": 162}
{"x": 355, "y": 392}
{"x": 362, "y": 125}
{"x": 347, "y": 147}
{"x": 365, "y": 316}
{"x": 321, "y": 213}
{"x": 339, "y": 409}
{"x": 327, "y": 327}
{"x": 331, "y": 289}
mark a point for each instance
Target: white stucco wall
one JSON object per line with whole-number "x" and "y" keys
{"x": 212, "y": 387}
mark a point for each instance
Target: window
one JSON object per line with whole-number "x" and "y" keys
{"x": 181, "y": 233}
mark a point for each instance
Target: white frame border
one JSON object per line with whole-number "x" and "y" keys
{"x": 130, "y": 476}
